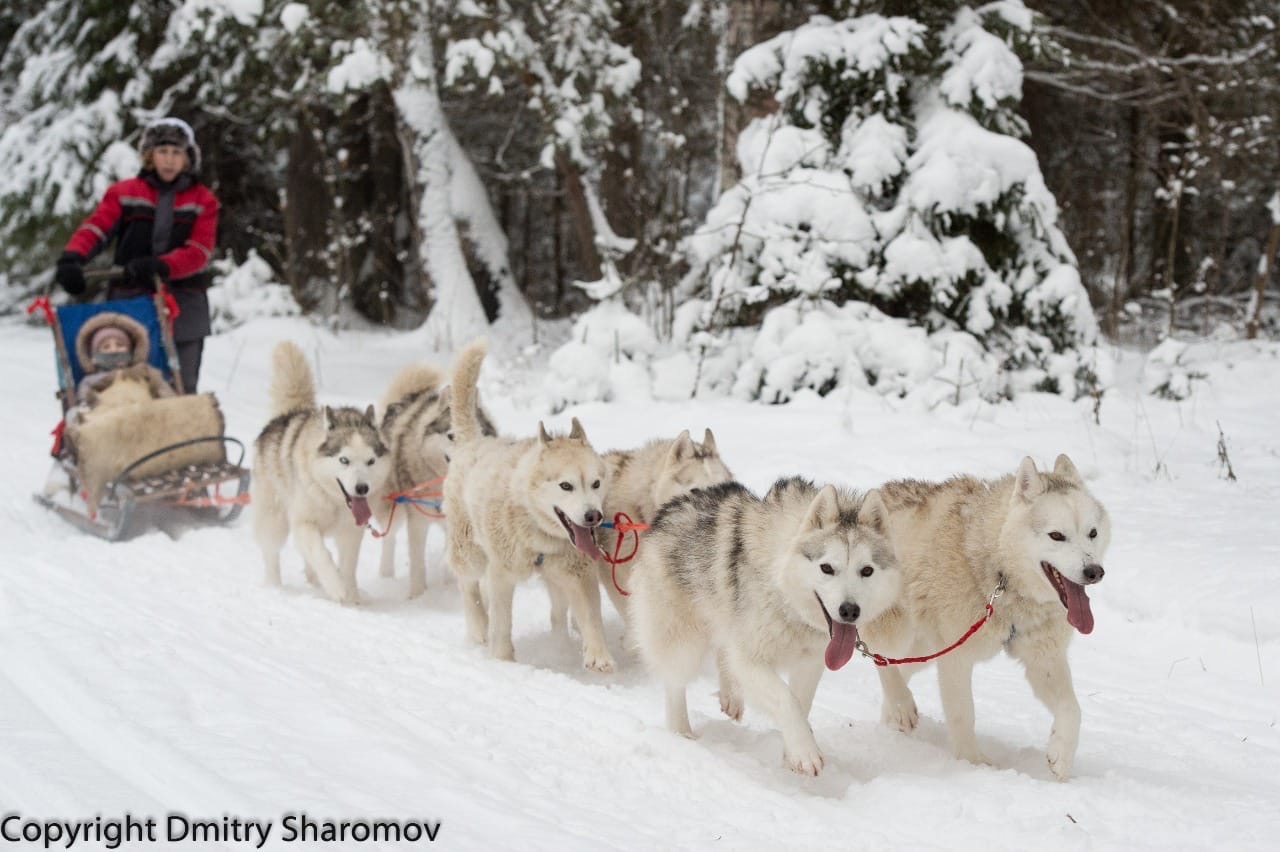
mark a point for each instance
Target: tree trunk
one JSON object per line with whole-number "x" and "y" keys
{"x": 749, "y": 23}
{"x": 1264, "y": 275}
{"x": 306, "y": 217}
{"x": 580, "y": 212}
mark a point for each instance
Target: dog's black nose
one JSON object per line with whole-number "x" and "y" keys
{"x": 849, "y": 611}
{"x": 362, "y": 489}
{"x": 1093, "y": 573}
{"x": 593, "y": 517}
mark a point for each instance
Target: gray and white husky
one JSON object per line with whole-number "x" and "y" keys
{"x": 1039, "y": 539}
{"x": 315, "y": 472}
{"x": 516, "y": 506}
{"x": 779, "y": 584}
{"x": 417, "y": 428}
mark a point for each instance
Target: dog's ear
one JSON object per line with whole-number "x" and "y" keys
{"x": 577, "y": 433}
{"x": 542, "y": 433}
{"x": 370, "y": 418}
{"x": 328, "y": 418}
{"x": 709, "y": 443}
{"x": 1064, "y": 468}
{"x": 681, "y": 448}
{"x": 823, "y": 511}
{"x": 873, "y": 513}
{"x": 1027, "y": 484}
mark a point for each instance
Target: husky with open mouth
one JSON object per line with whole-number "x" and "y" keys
{"x": 779, "y": 585}
{"x": 1035, "y": 538}
{"x": 513, "y": 507}
{"x": 317, "y": 473}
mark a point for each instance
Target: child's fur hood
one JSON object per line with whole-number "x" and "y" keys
{"x": 137, "y": 336}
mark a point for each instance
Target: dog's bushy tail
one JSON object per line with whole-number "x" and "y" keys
{"x": 292, "y": 386}
{"x": 414, "y": 378}
{"x": 466, "y": 371}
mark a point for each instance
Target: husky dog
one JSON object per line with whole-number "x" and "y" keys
{"x": 776, "y": 584}
{"x": 416, "y": 427}
{"x": 315, "y": 472}
{"x": 640, "y": 481}
{"x": 513, "y": 506}
{"x": 1038, "y": 537}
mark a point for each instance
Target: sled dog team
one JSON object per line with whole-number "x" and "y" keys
{"x": 786, "y": 584}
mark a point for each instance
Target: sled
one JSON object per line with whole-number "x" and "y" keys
{"x": 201, "y": 475}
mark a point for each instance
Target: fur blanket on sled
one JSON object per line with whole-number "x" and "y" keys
{"x": 112, "y": 436}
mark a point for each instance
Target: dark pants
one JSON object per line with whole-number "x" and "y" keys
{"x": 190, "y": 353}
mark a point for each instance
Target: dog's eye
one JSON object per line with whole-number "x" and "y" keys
{"x": 449, "y": 436}
{"x": 370, "y": 462}
{"x": 1057, "y": 536}
{"x": 343, "y": 460}
{"x": 565, "y": 486}
{"x": 1093, "y": 533}
{"x": 826, "y": 568}
{"x": 867, "y": 571}
{"x": 595, "y": 484}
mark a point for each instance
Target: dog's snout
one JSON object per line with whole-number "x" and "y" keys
{"x": 593, "y": 517}
{"x": 849, "y": 611}
{"x": 362, "y": 489}
{"x": 1093, "y": 572}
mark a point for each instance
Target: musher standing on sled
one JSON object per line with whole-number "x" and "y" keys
{"x": 164, "y": 222}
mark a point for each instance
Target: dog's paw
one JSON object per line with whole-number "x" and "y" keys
{"x": 804, "y": 760}
{"x": 598, "y": 662}
{"x": 1060, "y": 759}
{"x": 416, "y": 590}
{"x": 507, "y": 654}
{"x": 731, "y": 704}
{"x": 902, "y": 717}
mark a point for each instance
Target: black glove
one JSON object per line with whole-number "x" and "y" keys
{"x": 142, "y": 272}
{"x": 70, "y": 274}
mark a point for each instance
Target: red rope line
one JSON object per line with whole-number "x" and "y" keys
{"x": 41, "y": 303}
{"x": 882, "y": 661}
{"x": 622, "y": 524}
{"x": 409, "y": 495}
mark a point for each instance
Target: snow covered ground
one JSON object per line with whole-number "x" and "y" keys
{"x": 159, "y": 675}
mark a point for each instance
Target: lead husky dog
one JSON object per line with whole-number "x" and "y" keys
{"x": 640, "y": 481}
{"x": 515, "y": 506}
{"x": 1039, "y": 537}
{"x": 314, "y": 472}
{"x": 781, "y": 583}
{"x": 416, "y": 425}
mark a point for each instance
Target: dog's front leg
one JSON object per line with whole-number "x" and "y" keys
{"x": 310, "y": 544}
{"x": 583, "y": 592}
{"x": 349, "y": 541}
{"x": 955, "y": 682}
{"x": 764, "y": 687}
{"x": 730, "y": 691}
{"x": 1050, "y": 679}
{"x": 803, "y": 681}
{"x": 899, "y": 707}
{"x": 387, "y": 560}
{"x": 502, "y": 591}
{"x": 417, "y": 554}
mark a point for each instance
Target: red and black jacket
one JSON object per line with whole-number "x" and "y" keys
{"x": 127, "y": 214}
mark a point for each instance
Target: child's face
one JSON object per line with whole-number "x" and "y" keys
{"x": 169, "y": 161}
{"x": 110, "y": 345}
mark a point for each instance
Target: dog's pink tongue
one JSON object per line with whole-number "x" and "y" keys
{"x": 1079, "y": 615}
{"x": 585, "y": 542}
{"x": 360, "y": 510}
{"x": 840, "y": 648}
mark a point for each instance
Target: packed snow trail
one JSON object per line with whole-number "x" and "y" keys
{"x": 160, "y": 675}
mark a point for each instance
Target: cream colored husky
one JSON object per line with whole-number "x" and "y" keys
{"x": 640, "y": 481}
{"x": 513, "y": 507}
{"x": 1037, "y": 539}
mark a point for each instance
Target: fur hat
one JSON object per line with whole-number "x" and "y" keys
{"x": 136, "y": 331}
{"x": 172, "y": 131}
